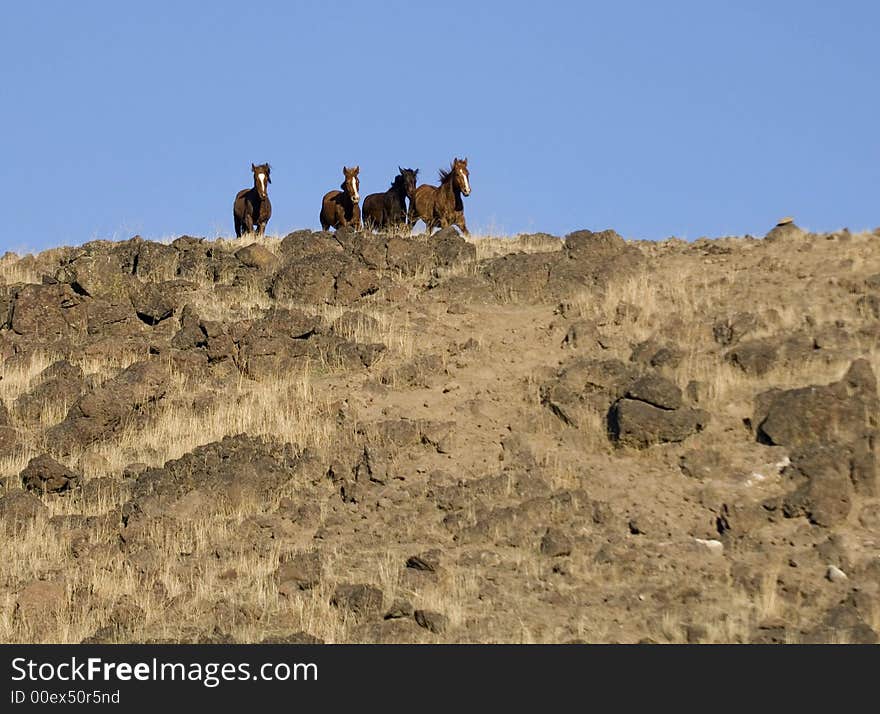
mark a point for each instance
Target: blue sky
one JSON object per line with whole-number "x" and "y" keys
{"x": 656, "y": 119}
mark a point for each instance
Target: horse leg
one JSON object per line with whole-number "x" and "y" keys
{"x": 461, "y": 223}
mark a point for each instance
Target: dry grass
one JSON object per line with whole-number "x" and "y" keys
{"x": 285, "y": 408}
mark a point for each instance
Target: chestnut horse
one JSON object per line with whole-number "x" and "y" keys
{"x": 340, "y": 209}
{"x": 386, "y": 210}
{"x": 442, "y": 206}
{"x": 252, "y": 207}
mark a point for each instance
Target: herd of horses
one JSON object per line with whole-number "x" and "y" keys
{"x": 437, "y": 206}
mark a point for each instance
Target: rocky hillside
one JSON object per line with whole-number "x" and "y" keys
{"x": 356, "y": 438}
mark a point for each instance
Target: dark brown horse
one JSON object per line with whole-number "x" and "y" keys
{"x": 340, "y": 209}
{"x": 386, "y": 210}
{"x": 252, "y": 208}
{"x": 442, "y": 206}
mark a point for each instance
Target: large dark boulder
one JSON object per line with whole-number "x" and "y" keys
{"x": 49, "y": 311}
{"x": 586, "y": 383}
{"x": 639, "y": 424}
{"x": 151, "y": 303}
{"x": 99, "y": 273}
{"x": 656, "y": 391}
{"x": 43, "y": 474}
{"x": 103, "y": 411}
{"x": 832, "y": 433}
{"x": 237, "y": 472}
{"x": 824, "y": 493}
{"x": 258, "y": 257}
{"x": 18, "y": 509}
{"x": 156, "y": 262}
{"x": 324, "y": 278}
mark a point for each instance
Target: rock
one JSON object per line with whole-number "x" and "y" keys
{"x": 555, "y": 543}
{"x": 364, "y": 601}
{"x": 585, "y": 244}
{"x": 716, "y": 547}
{"x": 835, "y": 574}
{"x": 18, "y": 509}
{"x": 99, "y": 275}
{"x": 731, "y": 330}
{"x": 49, "y": 311}
{"x": 156, "y": 262}
{"x": 432, "y": 621}
{"x": 439, "y": 434}
{"x": 59, "y": 386}
{"x": 426, "y": 562}
{"x": 216, "y": 477}
{"x": 258, "y": 257}
{"x": 41, "y": 601}
{"x": 303, "y": 243}
{"x": 586, "y": 383}
{"x": 191, "y": 335}
{"x": 9, "y": 439}
{"x": 151, "y": 303}
{"x": 640, "y": 425}
{"x": 655, "y": 390}
{"x": 869, "y": 517}
{"x": 45, "y": 475}
{"x": 449, "y": 248}
{"x": 583, "y": 334}
{"x": 296, "y": 638}
{"x": 785, "y": 232}
{"x": 702, "y": 464}
{"x": 651, "y": 353}
{"x": 755, "y": 358}
{"x": 825, "y": 493}
{"x": 843, "y": 414}
{"x": 303, "y": 570}
{"x": 399, "y": 608}
{"x": 324, "y": 278}
{"x": 105, "y": 410}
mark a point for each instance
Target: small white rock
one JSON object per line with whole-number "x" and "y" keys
{"x": 715, "y": 546}
{"x": 835, "y": 574}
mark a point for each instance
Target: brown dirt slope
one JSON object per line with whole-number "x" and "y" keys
{"x": 356, "y": 438}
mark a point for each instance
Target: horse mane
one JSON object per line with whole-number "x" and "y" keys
{"x": 398, "y": 181}
{"x": 446, "y": 174}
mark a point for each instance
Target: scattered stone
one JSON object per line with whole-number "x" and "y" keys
{"x": 18, "y": 509}
{"x": 555, "y": 543}
{"x": 303, "y": 570}
{"x": 835, "y": 574}
{"x": 399, "y": 608}
{"x": 362, "y": 600}
{"x": 432, "y": 621}
{"x": 45, "y": 475}
{"x": 716, "y": 547}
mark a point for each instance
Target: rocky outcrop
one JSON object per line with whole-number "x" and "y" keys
{"x": 832, "y": 433}
{"x": 45, "y": 475}
{"x": 105, "y": 410}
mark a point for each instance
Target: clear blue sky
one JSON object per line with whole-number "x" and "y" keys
{"x": 655, "y": 118}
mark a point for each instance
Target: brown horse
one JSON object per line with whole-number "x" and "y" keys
{"x": 340, "y": 209}
{"x": 252, "y": 207}
{"x": 386, "y": 210}
{"x": 442, "y": 206}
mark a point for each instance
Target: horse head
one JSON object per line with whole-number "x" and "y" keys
{"x": 352, "y": 183}
{"x": 409, "y": 181}
{"x": 461, "y": 176}
{"x": 261, "y": 179}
